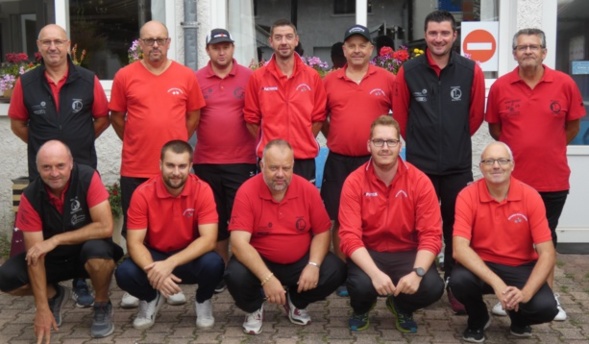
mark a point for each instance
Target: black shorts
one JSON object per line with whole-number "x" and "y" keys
{"x": 337, "y": 168}
{"x": 224, "y": 179}
{"x": 59, "y": 266}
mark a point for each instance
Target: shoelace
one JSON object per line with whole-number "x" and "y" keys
{"x": 143, "y": 308}
{"x": 101, "y": 312}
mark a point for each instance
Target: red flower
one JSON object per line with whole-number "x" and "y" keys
{"x": 38, "y": 56}
{"x": 401, "y": 55}
{"x": 384, "y": 51}
{"x": 16, "y": 57}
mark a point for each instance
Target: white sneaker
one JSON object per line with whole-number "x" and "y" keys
{"x": 561, "y": 315}
{"x": 176, "y": 299}
{"x": 204, "y": 314}
{"x": 253, "y": 321}
{"x": 498, "y": 310}
{"x": 297, "y": 316}
{"x": 148, "y": 312}
{"x": 129, "y": 301}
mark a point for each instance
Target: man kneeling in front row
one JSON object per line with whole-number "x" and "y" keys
{"x": 280, "y": 238}
{"x": 67, "y": 225}
{"x": 503, "y": 245}
{"x": 172, "y": 231}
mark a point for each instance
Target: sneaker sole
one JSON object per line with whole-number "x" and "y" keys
{"x": 252, "y": 332}
{"x": 361, "y": 328}
{"x": 520, "y": 335}
{"x": 102, "y": 335}
{"x": 64, "y": 301}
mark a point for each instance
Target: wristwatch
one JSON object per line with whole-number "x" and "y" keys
{"x": 419, "y": 271}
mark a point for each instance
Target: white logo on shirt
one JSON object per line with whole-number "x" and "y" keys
{"x": 401, "y": 193}
{"x": 420, "y": 96}
{"x": 371, "y": 194}
{"x": 189, "y": 212}
{"x": 77, "y": 105}
{"x": 377, "y": 92}
{"x": 175, "y": 91}
{"x": 455, "y": 93}
{"x": 303, "y": 88}
{"x": 517, "y": 218}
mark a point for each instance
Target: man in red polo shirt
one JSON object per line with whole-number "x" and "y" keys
{"x": 286, "y": 99}
{"x": 280, "y": 238}
{"x": 59, "y": 101}
{"x": 356, "y": 95}
{"x": 525, "y": 108}
{"x": 390, "y": 232}
{"x": 172, "y": 233}
{"x": 502, "y": 245}
{"x": 153, "y": 101}
{"x": 223, "y": 161}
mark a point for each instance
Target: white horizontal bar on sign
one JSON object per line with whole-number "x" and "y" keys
{"x": 479, "y": 46}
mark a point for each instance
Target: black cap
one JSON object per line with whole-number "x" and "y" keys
{"x": 357, "y": 30}
{"x": 218, "y": 36}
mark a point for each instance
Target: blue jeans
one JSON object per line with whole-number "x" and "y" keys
{"x": 206, "y": 271}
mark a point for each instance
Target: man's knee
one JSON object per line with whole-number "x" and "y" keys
{"x": 236, "y": 272}
{"x": 13, "y": 274}
{"x": 358, "y": 282}
{"x": 99, "y": 265}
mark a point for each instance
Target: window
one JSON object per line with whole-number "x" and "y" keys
{"x": 572, "y": 57}
{"x": 348, "y": 6}
{"x": 20, "y": 22}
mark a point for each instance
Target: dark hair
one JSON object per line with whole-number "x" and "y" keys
{"x": 282, "y": 22}
{"x": 529, "y": 32}
{"x": 438, "y": 17}
{"x": 337, "y": 55}
{"x": 176, "y": 146}
{"x": 387, "y": 121}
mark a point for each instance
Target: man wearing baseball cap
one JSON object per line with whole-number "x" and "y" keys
{"x": 223, "y": 161}
{"x": 356, "y": 95}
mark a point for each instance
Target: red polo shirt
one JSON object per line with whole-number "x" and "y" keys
{"x": 281, "y": 231}
{"x": 171, "y": 222}
{"x": 532, "y": 125}
{"x": 502, "y": 232}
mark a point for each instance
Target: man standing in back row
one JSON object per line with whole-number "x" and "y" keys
{"x": 536, "y": 111}
{"x": 223, "y": 161}
{"x": 357, "y": 88}
{"x": 59, "y": 101}
{"x": 153, "y": 101}
{"x": 439, "y": 104}
{"x": 286, "y": 100}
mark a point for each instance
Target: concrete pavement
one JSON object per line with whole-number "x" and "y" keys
{"x": 176, "y": 324}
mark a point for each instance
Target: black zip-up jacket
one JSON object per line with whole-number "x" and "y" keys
{"x": 438, "y": 132}
{"x": 76, "y": 213}
{"x": 73, "y": 125}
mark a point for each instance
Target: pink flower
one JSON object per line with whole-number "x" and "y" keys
{"x": 401, "y": 55}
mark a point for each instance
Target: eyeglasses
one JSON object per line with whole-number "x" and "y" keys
{"x": 532, "y": 47}
{"x": 381, "y": 142}
{"x": 152, "y": 41}
{"x": 57, "y": 42}
{"x": 491, "y": 162}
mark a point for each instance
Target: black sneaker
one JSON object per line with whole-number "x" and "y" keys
{"x": 220, "y": 287}
{"x": 57, "y": 302}
{"x": 102, "y": 324}
{"x": 80, "y": 293}
{"x": 520, "y": 331}
{"x": 476, "y": 335}
{"x": 404, "y": 321}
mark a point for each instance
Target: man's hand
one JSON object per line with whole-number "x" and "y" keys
{"x": 39, "y": 250}
{"x": 408, "y": 284}
{"x": 170, "y": 286}
{"x": 158, "y": 272}
{"x": 383, "y": 284}
{"x": 43, "y": 323}
{"x": 308, "y": 279}
{"x": 274, "y": 291}
{"x": 511, "y": 297}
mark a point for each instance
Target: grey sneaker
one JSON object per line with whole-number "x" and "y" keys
{"x": 57, "y": 302}
{"x": 81, "y": 294}
{"x": 102, "y": 324}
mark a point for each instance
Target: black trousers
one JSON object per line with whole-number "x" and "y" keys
{"x": 396, "y": 265}
{"x": 245, "y": 287}
{"x": 469, "y": 290}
